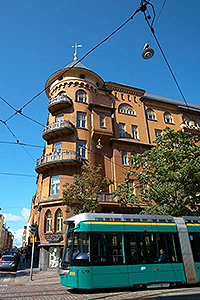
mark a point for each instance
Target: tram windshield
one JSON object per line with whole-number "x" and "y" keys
{"x": 76, "y": 250}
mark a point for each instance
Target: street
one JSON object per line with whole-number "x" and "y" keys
{"x": 45, "y": 285}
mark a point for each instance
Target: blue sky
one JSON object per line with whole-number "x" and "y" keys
{"x": 36, "y": 40}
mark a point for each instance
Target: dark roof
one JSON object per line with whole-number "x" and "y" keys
{"x": 78, "y": 65}
{"x": 179, "y": 103}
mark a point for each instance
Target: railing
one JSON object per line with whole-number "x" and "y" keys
{"x": 58, "y": 156}
{"x": 58, "y": 125}
{"x": 105, "y": 198}
{"x": 58, "y": 99}
{"x": 189, "y": 126}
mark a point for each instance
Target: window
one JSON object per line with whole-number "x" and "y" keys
{"x": 186, "y": 120}
{"x": 59, "y": 221}
{"x": 150, "y": 114}
{"x": 81, "y": 149}
{"x": 55, "y": 185}
{"x": 59, "y": 118}
{"x": 129, "y": 97}
{"x": 81, "y": 96}
{"x": 81, "y": 120}
{"x": 195, "y": 244}
{"x": 102, "y": 120}
{"x": 135, "y": 132}
{"x": 80, "y": 251}
{"x": 124, "y": 158}
{"x": 115, "y": 248}
{"x": 132, "y": 158}
{"x": 57, "y": 150}
{"x": 158, "y": 132}
{"x": 122, "y": 96}
{"x": 168, "y": 118}
{"x": 126, "y": 109}
{"x": 98, "y": 248}
{"x": 48, "y": 221}
{"x": 115, "y": 94}
{"x": 122, "y": 131}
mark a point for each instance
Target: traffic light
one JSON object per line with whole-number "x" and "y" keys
{"x": 33, "y": 229}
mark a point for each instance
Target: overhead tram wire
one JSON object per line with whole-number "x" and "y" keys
{"x": 17, "y": 140}
{"x": 19, "y": 111}
{"x": 148, "y": 40}
{"x": 16, "y": 174}
{"x": 78, "y": 61}
{"x": 145, "y": 3}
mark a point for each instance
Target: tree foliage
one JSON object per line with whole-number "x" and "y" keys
{"x": 167, "y": 176}
{"x": 82, "y": 195}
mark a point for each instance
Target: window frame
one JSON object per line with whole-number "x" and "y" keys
{"x": 55, "y": 185}
{"x": 81, "y": 149}
{"x": 122, "y": 129}
{"x": 79, "y": 98}
{"x": 102, "y": 120}
{"x": 81, "y": 122}
{"x": 169, "y": 120}
{"x": 135, "y": 133}
{"x": 48, "y": 221}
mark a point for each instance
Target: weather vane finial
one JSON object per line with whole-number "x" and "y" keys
{"x": 76, "y": 46}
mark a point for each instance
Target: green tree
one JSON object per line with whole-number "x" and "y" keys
{"x": 81, "y": 196}
{"x": 167, "y": 176}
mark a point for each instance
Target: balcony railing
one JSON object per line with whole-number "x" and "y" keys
{"x": 60, "y": 99}
{"x": 64, "y": 157}
{"x": 193, "y": 129}
{"x": 58, "y": 126}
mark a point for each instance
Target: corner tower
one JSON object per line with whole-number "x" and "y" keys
{"x": 80, "y": 112}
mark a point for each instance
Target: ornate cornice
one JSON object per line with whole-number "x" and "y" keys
{"x": 72, "y": 83}
{"x": 124, "y": 89}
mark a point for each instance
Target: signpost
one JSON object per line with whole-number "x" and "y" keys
{"x": 33, "y": 230}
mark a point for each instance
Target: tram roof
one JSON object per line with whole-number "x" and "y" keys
{"x": 119, "y": 217}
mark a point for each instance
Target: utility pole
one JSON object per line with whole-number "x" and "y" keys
{"x": 33, "y": 230}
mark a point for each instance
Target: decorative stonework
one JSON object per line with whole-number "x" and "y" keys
{"x": 74, "y": 83}
{"x": 54, "y": 237}
{"x": 124, "y": 90}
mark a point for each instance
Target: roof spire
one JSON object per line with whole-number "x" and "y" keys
{"x": 76, "y": 46}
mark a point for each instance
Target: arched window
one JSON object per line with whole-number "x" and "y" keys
{"x": 81, "y": 96}
{"x": 126, "y": 109}
{"x": 186, "y": 120}
{"x": 197, "y": 122}
{"x": 48, "y": 221}
{"x": 168, "y": 118}
{"x": 59, "y": 221}
{"x": 132, "y": 158}
{"x": 150, "y": 114}
{"x": 124, "y": 158}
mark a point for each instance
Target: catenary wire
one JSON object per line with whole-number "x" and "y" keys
{"x": 78, "y": 61}
{"x": 148, "y": 40}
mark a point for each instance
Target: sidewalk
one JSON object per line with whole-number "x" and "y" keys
{"x": 38, "y": 277}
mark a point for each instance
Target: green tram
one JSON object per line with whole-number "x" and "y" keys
{"x": 123, "y": 250}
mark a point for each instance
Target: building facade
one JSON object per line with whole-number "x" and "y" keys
{"x": 85, "y": 111}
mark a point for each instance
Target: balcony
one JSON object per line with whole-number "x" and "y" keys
{"x": 57, "y": 159}
{"x": 193, "y": 129}
{"x": 59, "y": 102}
{"x": 60, "y": 127}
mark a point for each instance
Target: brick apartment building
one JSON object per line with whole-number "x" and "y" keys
{"x": 83, "y": 111}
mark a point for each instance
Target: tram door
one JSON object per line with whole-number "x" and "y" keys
{"x": 110, "y": 269}
{"x": 140, "y": 258}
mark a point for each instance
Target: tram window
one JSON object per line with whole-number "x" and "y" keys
{"x": 147, "y": 252}
{"x": 174, "y": 251}
{"x": 68, "y": 249}
{"x": 80, "y": 253}
{"x": 115, "y": 248}
{"x": 132, "y": 257}
{"x": 195, "y": 244}
{"x": 98, "y": 248}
